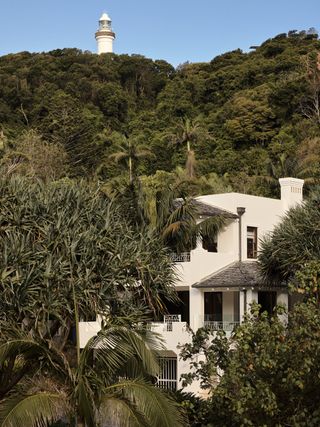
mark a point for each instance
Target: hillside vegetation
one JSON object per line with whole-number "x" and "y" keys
{"x": 248, "y": 118}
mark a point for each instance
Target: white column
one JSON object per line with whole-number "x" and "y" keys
{"x": 196, "y": 308}
{"x": 251, "y": 296}
{"x": 242, "y": 308}
{"x": 283, "y": 299}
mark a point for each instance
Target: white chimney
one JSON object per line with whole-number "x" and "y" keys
{"x": 291, "y": 192}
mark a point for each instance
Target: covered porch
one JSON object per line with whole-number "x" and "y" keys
{"x": 220, "y": 301}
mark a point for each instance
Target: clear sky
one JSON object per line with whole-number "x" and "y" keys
{"x": 174, "y": 30}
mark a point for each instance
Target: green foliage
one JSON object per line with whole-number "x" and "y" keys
{"x": 195, "y": 407}
{"x": 112, "y": 383}
{"x": 270, "y": 370}
{"x": 30, "y": 156}
{"x": 66, "y": 234}
{"x": 307, "y": 281}
{"x": 253, "y": 111}
{"x": 294, "y": 243}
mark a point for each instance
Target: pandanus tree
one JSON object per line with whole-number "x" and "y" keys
{"x": 109, "y": 384}
{"x": 291, "y": 253}
{"x": 65, "y": 242}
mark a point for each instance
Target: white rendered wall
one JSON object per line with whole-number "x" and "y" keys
{"x": 105, "y": 44}
{"x": 204, "y": 263}
{"x": 87, "y": 330}
{"x": 177, "y": 334}
{"x": 261, "y": 212}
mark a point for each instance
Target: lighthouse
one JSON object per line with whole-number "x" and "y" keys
{"x": 105, "y": 35}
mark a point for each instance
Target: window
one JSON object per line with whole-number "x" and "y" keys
{"x": 267, "y": 300}
{"x": 213, "y": 307}
{"x": 181, "y": 307}
{"x": 252, "y": 239}
{"x": 209, "y": 244}
{"x": 167, "y": 378}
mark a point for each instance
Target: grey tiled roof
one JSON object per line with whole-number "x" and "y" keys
{"x": 236, "y": 275}
{"x": 203, "y": 209}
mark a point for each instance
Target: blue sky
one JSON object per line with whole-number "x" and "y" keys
{"x": 176, "y": 30}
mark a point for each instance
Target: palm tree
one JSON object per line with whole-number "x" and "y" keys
{"x": 129, "y": 153}
{"x": 187, "y": 132}
{"x": 175, "y": 220}
{"x": 111, "y": 381}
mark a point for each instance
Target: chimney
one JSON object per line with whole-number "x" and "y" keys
{"x": 291, "y": 192}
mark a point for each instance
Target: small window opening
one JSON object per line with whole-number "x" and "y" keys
{"x": 252, "y": 242}
{"x": 210, "y": 244}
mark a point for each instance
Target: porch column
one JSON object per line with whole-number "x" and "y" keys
{"x": 242, "y": 305}
{"x": 283, "y": 299}
{"x": 196, "y": 308}
{"x": 251, "y": 296}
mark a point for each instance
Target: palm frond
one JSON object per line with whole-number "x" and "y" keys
{"x": 158, "y": 408}
{"x": 85, "y": 401}
{"x": 121, "y": 412}
{"x": 29, "y": 349}
{"x": 37, "y": 410}
{"x": 119, "y": 156}
{"x": 117, "y": 345}
{"x": 210, "y": 227}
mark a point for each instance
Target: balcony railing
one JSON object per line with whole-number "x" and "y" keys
{"x": 166, "y": 325}
{"x": 183, "y": 257}
{"x": 169, "y": 319}
{"x": 220, "y": 326}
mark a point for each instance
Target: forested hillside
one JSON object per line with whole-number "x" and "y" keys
{"x": 240, "y": 121}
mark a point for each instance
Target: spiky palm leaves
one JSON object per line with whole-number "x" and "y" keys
{"x": 293, "y": 243}
{"x": 174, "y": 220}
{"x": 54, "y": 235}
{"x": 110, "y": 384}
{"x": 129, "y": 153}
{"x": 65, "y": 237}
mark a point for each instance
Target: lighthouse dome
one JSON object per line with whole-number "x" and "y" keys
{"x": 105, "y": 17}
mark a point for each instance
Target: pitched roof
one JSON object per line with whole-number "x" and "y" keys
{"x": 243, "y": 274}
{"x": 204, "y": 209}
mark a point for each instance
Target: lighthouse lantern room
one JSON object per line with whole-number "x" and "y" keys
{"x": 105, "y": 35}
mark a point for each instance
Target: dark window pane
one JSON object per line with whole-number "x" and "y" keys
{"x": 209, "y": 244}
{"x": 267, "y": 300}
{"x": 213, "y": 306}
{"x": 252, "y": 241}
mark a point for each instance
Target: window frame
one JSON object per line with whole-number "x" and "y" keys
{"x": 252, "y": 252}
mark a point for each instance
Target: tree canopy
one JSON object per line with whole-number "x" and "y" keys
{"x": 66, "y": 234}
{"x": 257, "y": 111}
{"x": 265, "y": 375}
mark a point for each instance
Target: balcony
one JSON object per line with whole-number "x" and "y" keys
{"x": 220, "y": 326}
{"x": 171, "y": 322}
{"x": 182, "y": 257}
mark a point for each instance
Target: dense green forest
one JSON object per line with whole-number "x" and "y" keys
{"x": 238, "y": 122}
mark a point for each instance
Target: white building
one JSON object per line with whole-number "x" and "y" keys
{"x": 219, "y": 279}
{"x": 105, "y": 36}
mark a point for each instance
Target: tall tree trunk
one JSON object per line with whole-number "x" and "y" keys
{"x": 190, "y": 164}
{"x": 130, "y": 170}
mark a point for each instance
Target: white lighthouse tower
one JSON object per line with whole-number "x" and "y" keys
{"x": 105, "y": 35}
